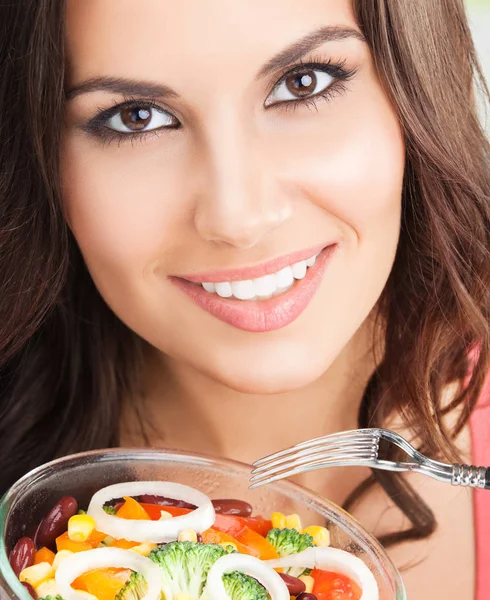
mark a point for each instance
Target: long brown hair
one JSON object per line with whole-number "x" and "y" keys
{"x": 66, "y": 360}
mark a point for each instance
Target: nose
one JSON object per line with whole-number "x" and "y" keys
{"x": 241, "y": 202}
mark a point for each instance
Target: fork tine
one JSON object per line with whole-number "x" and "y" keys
{"x": 355, "y": 452}
{"x": 364, "y": 433}
{"x": 344, "y": 445}
{"x": 320, "y": 464}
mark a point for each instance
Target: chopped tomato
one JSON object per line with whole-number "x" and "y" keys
{"x": 132, "y": 509}
{"x": 253, "y": 540}
{"x": 154, "y": 511}
{"x": 213, "y": 536}
{"x": 104, "y": 584}
{"x": 334, "y": 586}
{"x": 225, "y": 523}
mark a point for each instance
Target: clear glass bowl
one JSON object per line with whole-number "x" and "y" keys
{"x": 81, "y": 475}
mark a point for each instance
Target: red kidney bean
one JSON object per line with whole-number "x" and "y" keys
{"x": 30, "y": 589}
{"x": 295, "y": 585}
{"x": 306, "y": 596}
{"x": 55, "y": 522}
{"x": 22, "y": 556}
{"x": 237, "y": 508}
{"x": 162, "y": 501}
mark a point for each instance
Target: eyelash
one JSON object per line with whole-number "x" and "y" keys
{"x": 97, "y": 125}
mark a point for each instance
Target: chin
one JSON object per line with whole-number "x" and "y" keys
{"x": 274, "y": 374}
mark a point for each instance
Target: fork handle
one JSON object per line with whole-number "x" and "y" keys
{"x": 471, "y": 476}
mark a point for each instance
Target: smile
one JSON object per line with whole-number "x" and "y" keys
{"x": 263, "y": 298}
{"x": 262, "y": 288}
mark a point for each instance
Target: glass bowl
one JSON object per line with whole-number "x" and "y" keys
{"x": 81, "y": 475}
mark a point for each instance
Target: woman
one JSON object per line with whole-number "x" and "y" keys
{"x": 230, "y": 227}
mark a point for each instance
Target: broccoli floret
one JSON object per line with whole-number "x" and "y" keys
{"x": 287, "y": 542}
{"x": 57, "y": 597}
{"x": 185, "y": 566}
{"x": 110, "y": 510}
{"x": 135, "y": 588}
{"x": 242, "y": 587}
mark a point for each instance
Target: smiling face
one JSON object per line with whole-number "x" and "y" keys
{"x": 205, "y": 140}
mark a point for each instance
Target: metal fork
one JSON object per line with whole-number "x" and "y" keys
{"x": 361, "y": 448}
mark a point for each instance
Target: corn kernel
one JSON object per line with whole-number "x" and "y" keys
{"x": 228, "y": 545}
{"x": 164, "y": 515}
{"x": 37, "y": 574}
{"x": 309, "y": 583}
{"x": 320, "y": 535}
{"x": 80, "y": 527}
{"x": 293, "y": 522}
{"x": 278, "y": 520}
{"x": 60, "y": 557}
{"x": 47, "y": 588}
{"x": 143, "y": 549}
{"x": 187, "y": 535}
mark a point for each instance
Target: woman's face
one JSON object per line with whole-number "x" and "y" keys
{"x": 221, "y": 143}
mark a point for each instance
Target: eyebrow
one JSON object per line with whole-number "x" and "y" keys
{"x": 307, "y": 44}
{"x": 291, "y": 54}
{"x": 120, "y": 85}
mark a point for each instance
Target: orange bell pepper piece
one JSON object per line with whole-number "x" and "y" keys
{"x": 44, "y": 555}
{"x": 213, "y": 536}
{"x": 253, "y": 540}
{"x": 132, "y": 509}
{"x": 124, "y": 544}
{"x": 63, "y": 542}
{"x": 104, "y": 584}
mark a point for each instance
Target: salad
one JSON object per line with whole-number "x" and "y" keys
{"x": 155, "y": 540}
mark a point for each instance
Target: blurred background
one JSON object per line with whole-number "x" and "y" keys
{"x": 479, "y": 15}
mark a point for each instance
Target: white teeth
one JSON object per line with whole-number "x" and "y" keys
{"x": 262, "y": 288}
{"x": 265, "y": 286}
{"x": 243, "y": 290}
{"x": 209, "y": 287}
{"x": 224, "y": 289}
{"x": 311, "y": 261}
{"x": 284, "y": 278}
{"x": 299, "y": 269}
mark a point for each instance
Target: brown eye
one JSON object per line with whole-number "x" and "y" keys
{"x": 135, "y": 119}
{"x": 301, "y": 84}
{"x": 306, "y": 83}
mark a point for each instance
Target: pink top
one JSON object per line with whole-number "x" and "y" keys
{"x": 480, "y": 429}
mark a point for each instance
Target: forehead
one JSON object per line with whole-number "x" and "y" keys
{"x": 142, "y": 39}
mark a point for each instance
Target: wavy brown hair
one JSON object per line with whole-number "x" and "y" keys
{"x": 66, "y": 361}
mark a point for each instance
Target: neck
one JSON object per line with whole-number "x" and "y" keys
{"x": 186, "y": 410}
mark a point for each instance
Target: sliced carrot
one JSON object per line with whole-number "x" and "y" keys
{"x": 253, "y": 540}
{"x": 44, "y": 555}
{"x": 104, "y": 584}
{"x": 132, "y": 509}
{"x": 212, "y": 536}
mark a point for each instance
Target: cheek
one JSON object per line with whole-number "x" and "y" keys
{"x": 351, "y": 163}
{"x": 119, "y": 207}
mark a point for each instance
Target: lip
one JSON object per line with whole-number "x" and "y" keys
{"x": 260, "y": 316}
{"x": 267, "y": 268}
